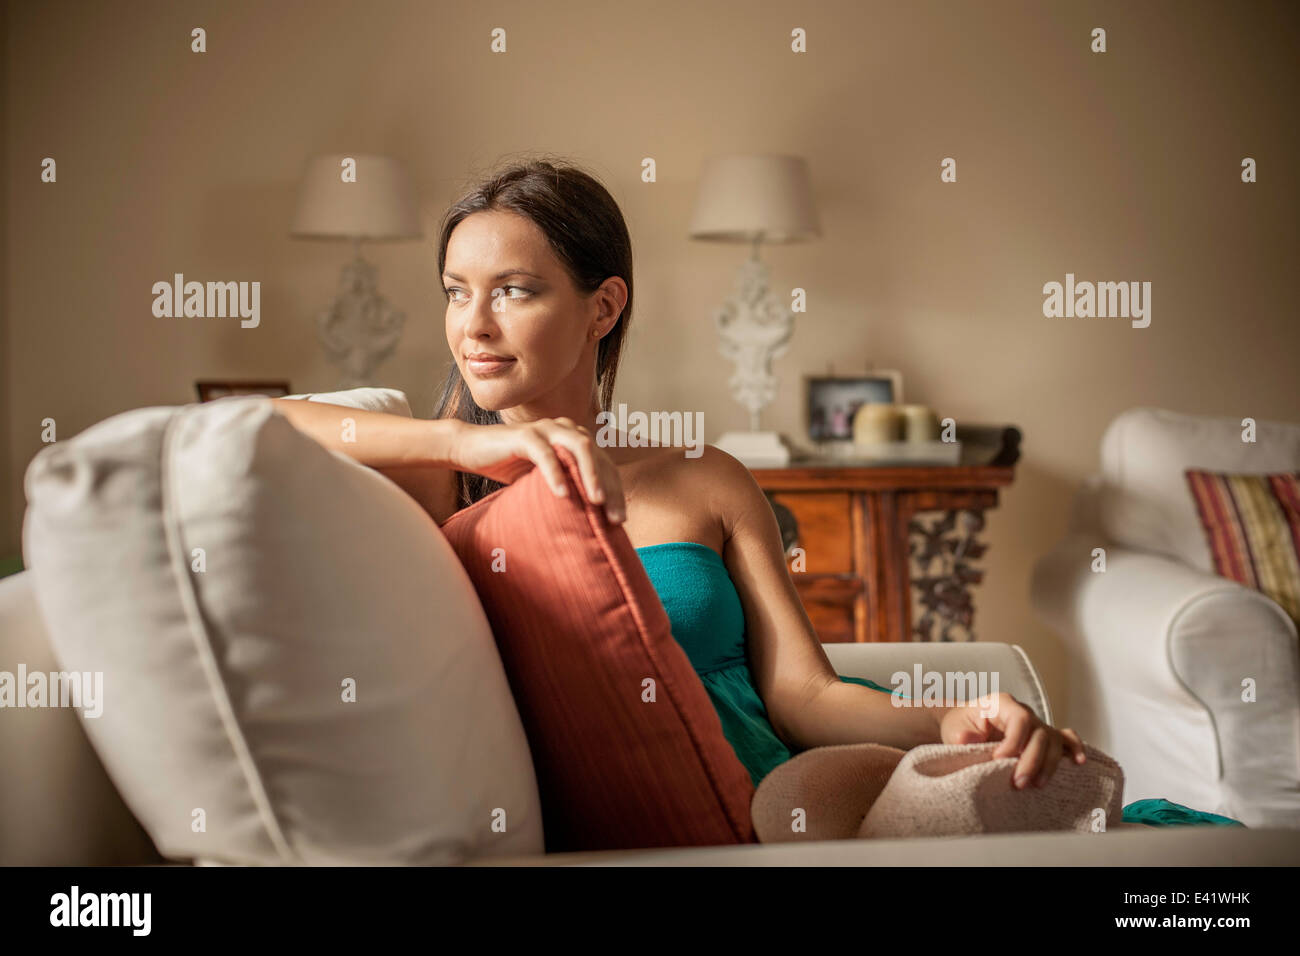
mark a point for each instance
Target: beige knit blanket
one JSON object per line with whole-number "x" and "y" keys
{"x": 870, "y": 790}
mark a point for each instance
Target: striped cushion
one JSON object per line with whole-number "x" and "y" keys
{"x": 1252, "y": 523}
{"x": 584, "y": 638}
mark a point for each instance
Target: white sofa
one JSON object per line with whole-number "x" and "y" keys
{"x": 1158, "y": 643}
{"x": 63, "y": 809}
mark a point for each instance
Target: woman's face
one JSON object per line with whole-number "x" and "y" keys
{"x": 510, "y": 296}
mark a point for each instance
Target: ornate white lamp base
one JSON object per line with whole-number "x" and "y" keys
{"x": 756, "y": 449}
{"x": 360, "y": 329}
{"x": 754, "y": 328}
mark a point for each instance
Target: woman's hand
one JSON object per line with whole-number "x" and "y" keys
{"x": 1002, "y": 717}
{"x": 505, "y": 452}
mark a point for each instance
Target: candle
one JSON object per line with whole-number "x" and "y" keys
{"x": 919, "y": 423}
{"x": 877, "y": 422}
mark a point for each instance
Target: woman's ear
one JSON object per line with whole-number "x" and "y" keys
{"x": 614, "y": 292}
{"x": 604, "y": 326}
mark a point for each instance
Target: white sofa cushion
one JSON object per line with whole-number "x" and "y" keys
{"x": 1144, "y": 500}
{"x": 368, "y": 398}
{"x": 224, "y": 687}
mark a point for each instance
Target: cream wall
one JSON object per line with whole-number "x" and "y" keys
{"x": 8, "y": 504}
{"x": 1115, "y": 166}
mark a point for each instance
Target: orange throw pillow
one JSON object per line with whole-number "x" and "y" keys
{"x": 628, "y": 749}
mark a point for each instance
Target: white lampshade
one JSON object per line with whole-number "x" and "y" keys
{"x": 747, "y": 197}
{"x": 379, "y": 205}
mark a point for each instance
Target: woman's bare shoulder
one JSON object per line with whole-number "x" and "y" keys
{"x": 688, "y": 494}
{"x": 706, "y": 463}
{"x": 714, "y": 478}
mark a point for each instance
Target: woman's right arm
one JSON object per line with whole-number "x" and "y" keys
{"x": 414, "y": 453}
{"x": 378, "y": 439}
{"x": 422, "y": 455}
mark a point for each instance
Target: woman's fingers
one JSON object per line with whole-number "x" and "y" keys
{"x": 1015, "y": 721}
{"x": 1052, "y": 757}
{"x": 543, "y": 455}
{"x": 599, "y": 475}
{"x": 1074, "y": 745}
{"x": 1041, "y": 748}
{"x": 616, "y": 506}
{"x": 580, "y": 445}
{"x": 1032, "y": 758}
{"x": 613, "y": 486}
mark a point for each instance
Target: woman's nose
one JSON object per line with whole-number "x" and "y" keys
{"x": 483, "y": 314}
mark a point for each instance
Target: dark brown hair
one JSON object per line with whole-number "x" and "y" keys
{"x": 587, "y": 233}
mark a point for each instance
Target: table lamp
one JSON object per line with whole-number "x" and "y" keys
{"x": 755, "y": 198}
{"x": 357, "y": 197}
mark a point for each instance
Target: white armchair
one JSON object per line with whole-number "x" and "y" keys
{"x": 1159, "y": 645}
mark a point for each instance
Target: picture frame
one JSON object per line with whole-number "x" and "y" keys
{"x": 832, "y": 400}
{"x": 211, "y": 389}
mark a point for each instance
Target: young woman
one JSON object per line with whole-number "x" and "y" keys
{"x": 536, "y": 263}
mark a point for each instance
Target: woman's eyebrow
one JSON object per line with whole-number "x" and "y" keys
{"x": 500, "y": 275}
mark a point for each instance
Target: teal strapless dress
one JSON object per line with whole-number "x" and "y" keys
{"x": 708, "y": 621}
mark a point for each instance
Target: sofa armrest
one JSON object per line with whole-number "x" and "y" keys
{"x": 877, "y": 662}
{"x": 1160, "y": 652}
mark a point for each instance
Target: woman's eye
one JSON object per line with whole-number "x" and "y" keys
{"x": 451, "y": 293}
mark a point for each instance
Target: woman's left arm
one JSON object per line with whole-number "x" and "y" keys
{"x": 807, "y": 704}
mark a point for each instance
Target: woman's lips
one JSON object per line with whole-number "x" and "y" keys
{"x": 486, "y": 367}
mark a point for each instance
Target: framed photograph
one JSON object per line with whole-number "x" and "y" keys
{"x": 832, "y": 400}
{"x": 209, "y": 389}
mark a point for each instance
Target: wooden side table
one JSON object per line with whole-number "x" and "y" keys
{"x": 887, "y": 553}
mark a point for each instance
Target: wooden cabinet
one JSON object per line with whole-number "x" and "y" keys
{"x": 885, "y": 554}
